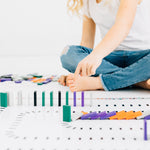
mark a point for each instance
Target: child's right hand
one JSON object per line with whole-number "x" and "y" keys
{"x": 89, "y": 64}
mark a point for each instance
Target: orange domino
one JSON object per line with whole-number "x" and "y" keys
{"x": 121, "y": 115}
{"x": 41, "y": 80}
{"x": 33, "y": 78}
{"x": 84, "y": 113}
{"x": 38, "y": 80}
{"x": 125, "y": 115}
{"x": 129, "y": 114}
{"x": 139, "y": 113}
{"x": 134, "y": 115}
{"x": 118, "y": 115}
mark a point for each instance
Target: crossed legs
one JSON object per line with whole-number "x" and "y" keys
{"x": 70, "y": 61}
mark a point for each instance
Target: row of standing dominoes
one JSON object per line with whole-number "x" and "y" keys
{"x": 6, "y": 99}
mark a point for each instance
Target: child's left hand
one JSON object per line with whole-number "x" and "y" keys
{"x": 88, "y": 65}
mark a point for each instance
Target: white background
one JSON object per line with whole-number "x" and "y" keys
{"x": 30, "y": 29}
{"x": 36, "y": 27}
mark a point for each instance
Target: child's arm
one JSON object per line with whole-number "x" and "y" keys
{"x": 88, "y": 32}
{"x": 120, "y": 29}
{"x": 113, "y": 38}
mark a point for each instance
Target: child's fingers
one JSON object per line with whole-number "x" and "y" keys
{"x": 89, "y": 71}
{"x": 78, "y": 70}
{"x": 64, "y": 81}
{"x": 84, "y": 68}
{"x": 70, "y": 81}
{"x": 61, "y": 80}
{"x": 93, "y": 70}
{"x": 58, "y": 80}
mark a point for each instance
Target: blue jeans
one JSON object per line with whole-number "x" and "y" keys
{"x": 120, "y": 69}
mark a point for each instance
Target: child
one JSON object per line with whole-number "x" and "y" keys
{"x": 122, "y": 58}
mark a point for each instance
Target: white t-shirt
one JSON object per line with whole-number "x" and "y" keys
{"x": 104, "y": 16}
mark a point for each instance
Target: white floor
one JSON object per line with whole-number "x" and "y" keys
{"x": 24, "y": 127}
{"x": 42, "y": 128}
{"x": 30, "y": 64}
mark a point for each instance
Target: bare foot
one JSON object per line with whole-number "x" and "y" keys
{"x": 63, "y": 80}
{"x": 84, "y": 83}
{"x": 144, "y": 84}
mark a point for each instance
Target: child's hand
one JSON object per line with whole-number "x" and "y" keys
{"x": 88, "y": 65}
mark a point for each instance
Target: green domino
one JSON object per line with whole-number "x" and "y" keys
{"x": 43, "y": 98}
{"x": 38, "y": 76}
{"x": 67, "y": 98}
{"x": 51, "y": 98}
{"x": 3, "y": 99}
{"x": 0, "y": 99}
{"x": 39, "y": 83}
{"x": 66, "y": 113}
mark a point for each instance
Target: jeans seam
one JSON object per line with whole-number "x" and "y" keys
{"x": 103, "y": 84}
{"x": 120, "y": 71}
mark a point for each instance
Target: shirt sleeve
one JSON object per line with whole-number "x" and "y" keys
{"x": 85, "y": 9}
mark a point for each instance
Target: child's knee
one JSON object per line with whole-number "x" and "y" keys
{"x": 71, "y": 50}
{"x": 65, "y": 58}
{"x": 64, "y": 55}
{"x": 68, "y": 58}
{"x": 65, "y": 50}
{"x": 68, "y": 54}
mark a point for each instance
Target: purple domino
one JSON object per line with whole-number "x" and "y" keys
{"x": 82, "y": 99}
{"x": 147, "y": 117}
{"x": 5, "y": 79}
{"x": 145, "y": 130}
{"x": 108, "y": 115}
{"x": 19, "y": 81}
{"x": 47, "y": 81}
{"x": 87, "y": 116}
{"x": 74, "y": 99}
{"x": 99, "y": 115}
{"x": 96, "y": 116}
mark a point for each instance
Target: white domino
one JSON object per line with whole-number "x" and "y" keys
{"x": 76, "y": 116}
{"x": 146, "y": 113}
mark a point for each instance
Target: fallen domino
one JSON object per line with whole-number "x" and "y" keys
{"x": 144, "y": 114}
{"x": 76, "y": 116}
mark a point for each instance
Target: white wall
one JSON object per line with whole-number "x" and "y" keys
{"x": 33, "y": 34}
{"x": 36, "y": 27}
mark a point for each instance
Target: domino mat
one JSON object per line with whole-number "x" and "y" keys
{"x": 41, "y": 128}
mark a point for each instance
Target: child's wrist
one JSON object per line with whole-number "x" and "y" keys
{"x": 98, "y": 54}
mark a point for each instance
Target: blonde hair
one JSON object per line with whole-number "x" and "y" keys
{"x": 74, "y": 6}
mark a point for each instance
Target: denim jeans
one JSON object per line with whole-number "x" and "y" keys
{"x": 120, "y": 69}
